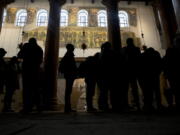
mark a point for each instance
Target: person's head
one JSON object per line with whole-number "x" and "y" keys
{"x": 96, "y": 56}
{"x": 150, "y": 50}
{"x": 105, "y": 47}
{"x": 33, "y": 41}
{"x": 70, "y": 47}
{"x": 144, "y": 48}
{"x": 2, "y": 52}
{"x": 130, "y": 42}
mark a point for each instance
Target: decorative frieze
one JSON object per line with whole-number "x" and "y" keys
{"x": 73, "y": 13}
{"x": 93, "y": 39}
{"x": 73, "y": 16}
{"x": 132, "y": 13}
{"x": 11, "y": 15}
{"x": 93, "y": 22}
{"x": 31, "y": 15}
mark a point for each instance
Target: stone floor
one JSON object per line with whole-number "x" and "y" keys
{"x": 54, "y": 123}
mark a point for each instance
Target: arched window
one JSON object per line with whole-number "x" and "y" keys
{"x": 64, "y": 18}
{"x": 21, "y": 17}
{"x": 102, "y": 18}
{"x": 83, "y": 18}
{"x": 42, "y": 17}
{"x": 4, "y": 15}
{"x": 123, "y": 19}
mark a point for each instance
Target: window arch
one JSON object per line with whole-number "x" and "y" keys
{"x": 83, "y": 18}
{"x": 123, "y": 19}
{"x": 64, "y": 18}
{"x": 102, "y": 18}
{"x": 21, "y": 17}
{"x": 42, "y": 17}
{"x": 4, "y": 15}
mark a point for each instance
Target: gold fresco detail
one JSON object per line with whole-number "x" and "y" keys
{"x": 31, "y": 15}
{"x": 73, "y": 16}
{"x": 73, "y": 11}
{"x": 93, "y": 17}
{"x": 93, "y": 38}
{"x": 132, "y": 14}
{"x": 11, "y": 15}
{"x": 94, "y": 11}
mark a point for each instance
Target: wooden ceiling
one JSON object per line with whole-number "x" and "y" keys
{"x": 73, "y": 1}
{"x": 4, "y": 2}
{"x": 129, "y": 1}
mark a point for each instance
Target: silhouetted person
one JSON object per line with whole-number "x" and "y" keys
{"x": 149, "y": 78}
{"x": 144, "y": 48}
{"x": 41, "y": 87}
{"x": 172, "y": 69}
{"x": 2, "y": 69}
{"x": 132, "y": 56}
{"x": 11, "y": 83}
{"x": 89, "y": 70}
{"x": 119, "y": 82}
{"x": 105, "y": 75}
{"x": 32, "y": 56}
{"x": 68, "y": 68}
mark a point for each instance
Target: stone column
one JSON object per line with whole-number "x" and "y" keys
{"x": 52, "y": 53}
{"x": 176, "y": 4}
{"x": 1, "y": 16}
{"x": 114, "y": 35}
{"x": 3, "y": 4}
{"x": 163, "y": 26}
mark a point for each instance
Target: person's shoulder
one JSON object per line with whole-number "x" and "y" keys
{"x": 25, "y": 46}
{"x": 157, "y": 53}
{"x": 137, "y": 49}
{"x": 39, "y": 48}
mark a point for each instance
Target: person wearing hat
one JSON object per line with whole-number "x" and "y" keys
{"x": 2, "y": 69}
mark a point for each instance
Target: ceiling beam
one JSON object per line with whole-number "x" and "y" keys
{"x": 5, "y": 2}
{"x": 72, "y": 1}
{"x": 146, "y": 2}
{"x": 129, "y": 2}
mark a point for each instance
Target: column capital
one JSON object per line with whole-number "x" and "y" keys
{"x": 60, "y": 2}
{"x": 156, "y": 3}
{"x": 109, "y": 2}
{"x": 4, "y": 3}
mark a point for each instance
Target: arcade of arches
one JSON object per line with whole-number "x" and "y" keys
{"x": 57, "y": 22}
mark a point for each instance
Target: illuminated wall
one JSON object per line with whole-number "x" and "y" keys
{"x": 141, "y": 19}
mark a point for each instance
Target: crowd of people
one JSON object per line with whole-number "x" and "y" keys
{"x": 114, "y": 72}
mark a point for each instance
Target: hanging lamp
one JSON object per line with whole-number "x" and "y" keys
{"x": 21, "y": 30}
{"x": 142, "y": 33}
{"x": 83, "y": 45}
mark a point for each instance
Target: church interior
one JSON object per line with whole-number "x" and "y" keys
{"x": 152, "y": 23}
{"x": 23, "y": 19}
